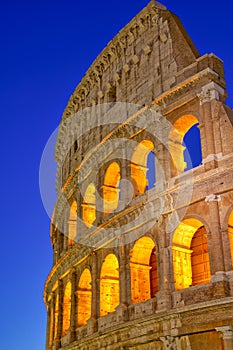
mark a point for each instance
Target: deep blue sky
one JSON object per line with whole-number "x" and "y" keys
{"x": 46, "y": 47}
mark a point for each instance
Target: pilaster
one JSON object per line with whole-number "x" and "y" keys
{"x": 227, "y": 336}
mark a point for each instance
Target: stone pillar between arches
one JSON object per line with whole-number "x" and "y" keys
{"x": 93, "y": 322}
{"x": 73, "y": 314}
{"x": 227, "y": 336}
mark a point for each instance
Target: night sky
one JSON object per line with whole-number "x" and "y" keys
{"x": 46, "y": 47}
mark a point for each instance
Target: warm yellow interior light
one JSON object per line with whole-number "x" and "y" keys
{"x": 111, "y": 188}
{"x": 190, "y": 254}
{"x": 176, "y": 136}
{"x": 140, "y": 268}
{"x": 66, "y": 308}
{"x": 72, "y": 223}
{"x": 84, "y": 297}
{"x": 56, "y": 316}
{"x": 89, "y": 205}
{"x": 139, "y": 165}
{"x": 109, "y": 285}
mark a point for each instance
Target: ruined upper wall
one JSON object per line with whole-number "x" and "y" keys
{"x": 139, "y": 64}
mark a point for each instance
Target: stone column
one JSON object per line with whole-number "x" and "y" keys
{"x": 210, "y": 93}
{"x": 170, "y": 343}
{"x": 79, "y": 217}
{"x": 126, "y": 189}
{"x": 95, "y": 294}
{"x": 48, "y": 333}
{"x": 60, "y": 312}
{"x": 164, "y": 268}
{"x": 123, "y": 281}
{"x": 60, "y": 244}
{"x": 226, "y": 250}
{"x": 73, "y": 315}
{"x": 163, "y": 158}
{"x": 227, "y": 336}
{"x": 99, "y": 199}
{"x": 216, "y": 248}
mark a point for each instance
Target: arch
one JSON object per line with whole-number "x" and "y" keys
{"x": 84, "y": 297}
{"x": 72, "y": 223}
{"x": 89, "y": 205}
{"x": 230, "y": 233}
{"x": 177, "y": 148}
{"x": 139, "y": 166}
{"x": 143, "y": 270}
{"x": 192, "y": 143}
{"x": 111, "y": 188}
{"x": 190, "y": 254}
{"x": 66, "y": 308}
{"x": 109, "y": 285}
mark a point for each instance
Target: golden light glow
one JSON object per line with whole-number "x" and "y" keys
{"x": 51, "y": 326}
{"x": 180, "y": 128}
{"x": 230, "y": 233}
{"x": 200, "y": 257}
{"x": 190, "y": 254}
{"x": 66, "y": 309}
{"x": 111, "y": 188}
{"x": 139, "y": 165}
{"x": 140, "y": 267}
{"x": 84, "y": 298}
{"x": 109, "y": 285}
{"x": 56, "y": 317}
{"x": 89, "y": 205}
{"x": 72, "y": 223}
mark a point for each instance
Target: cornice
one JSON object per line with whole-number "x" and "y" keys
{"x": 113, "y": 50}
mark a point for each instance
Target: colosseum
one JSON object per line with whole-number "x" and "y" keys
{"x": 142, "y": 230}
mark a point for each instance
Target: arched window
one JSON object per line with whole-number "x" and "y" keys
{"x": 230, "y": 233}
{"x": 109, "y": 285}
{"x": 143, "y": 167}
{"x": 89, "y": 205}
{"x": 111, "y": 188}
{"x": 143, "y": 270}
{"x": 192, "y": 144}
{"x": 66, "y": 309}
{"x": 151, "y": 173}
{"x": 185, "y": 144}
{"x": 190, "y": 254}
{"x": 84, "y": 298}
{"x": 72, "y": 223}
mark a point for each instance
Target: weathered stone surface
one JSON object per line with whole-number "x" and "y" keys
{"x": 148, "y": 285}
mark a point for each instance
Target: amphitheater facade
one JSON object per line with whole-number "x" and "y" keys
{"x": 142, "y": 231}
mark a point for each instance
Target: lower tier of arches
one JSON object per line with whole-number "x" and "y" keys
{"x": 208, "y": 326}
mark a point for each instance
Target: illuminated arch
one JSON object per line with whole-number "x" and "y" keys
{"x": 190, "y": 254}
{"x": 139, "y": 165}
{"x": 176, "y": 138}
{"x": 109, "y": 285}
{"x": 143, "y": 270}
{"x": 230, "y": 233}
{"x": 111, "y": 188}
{"x": 89, "y": 205}
{"x": 66, "y": 308}
{"x": 84, "y": 297}
{"x": 72, "y": 223}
